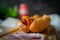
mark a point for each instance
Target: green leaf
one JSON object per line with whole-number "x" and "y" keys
{"x": 12, "y": 11}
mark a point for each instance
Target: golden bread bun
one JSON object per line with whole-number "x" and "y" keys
{"x": 46, "y": 19}
{"x": 36, "y": 16}
{"x": 35, "y": 27}
{"x": 40, "y": 24}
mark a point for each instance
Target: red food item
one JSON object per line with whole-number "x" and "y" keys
{"x": 26, "y": 20}
{"x": 23, "y": 10}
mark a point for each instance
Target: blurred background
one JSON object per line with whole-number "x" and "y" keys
{"x": 35, "y": 6}
{"x": 9, "y": 11}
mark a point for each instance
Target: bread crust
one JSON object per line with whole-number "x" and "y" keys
{"x": 40, "y": 24}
